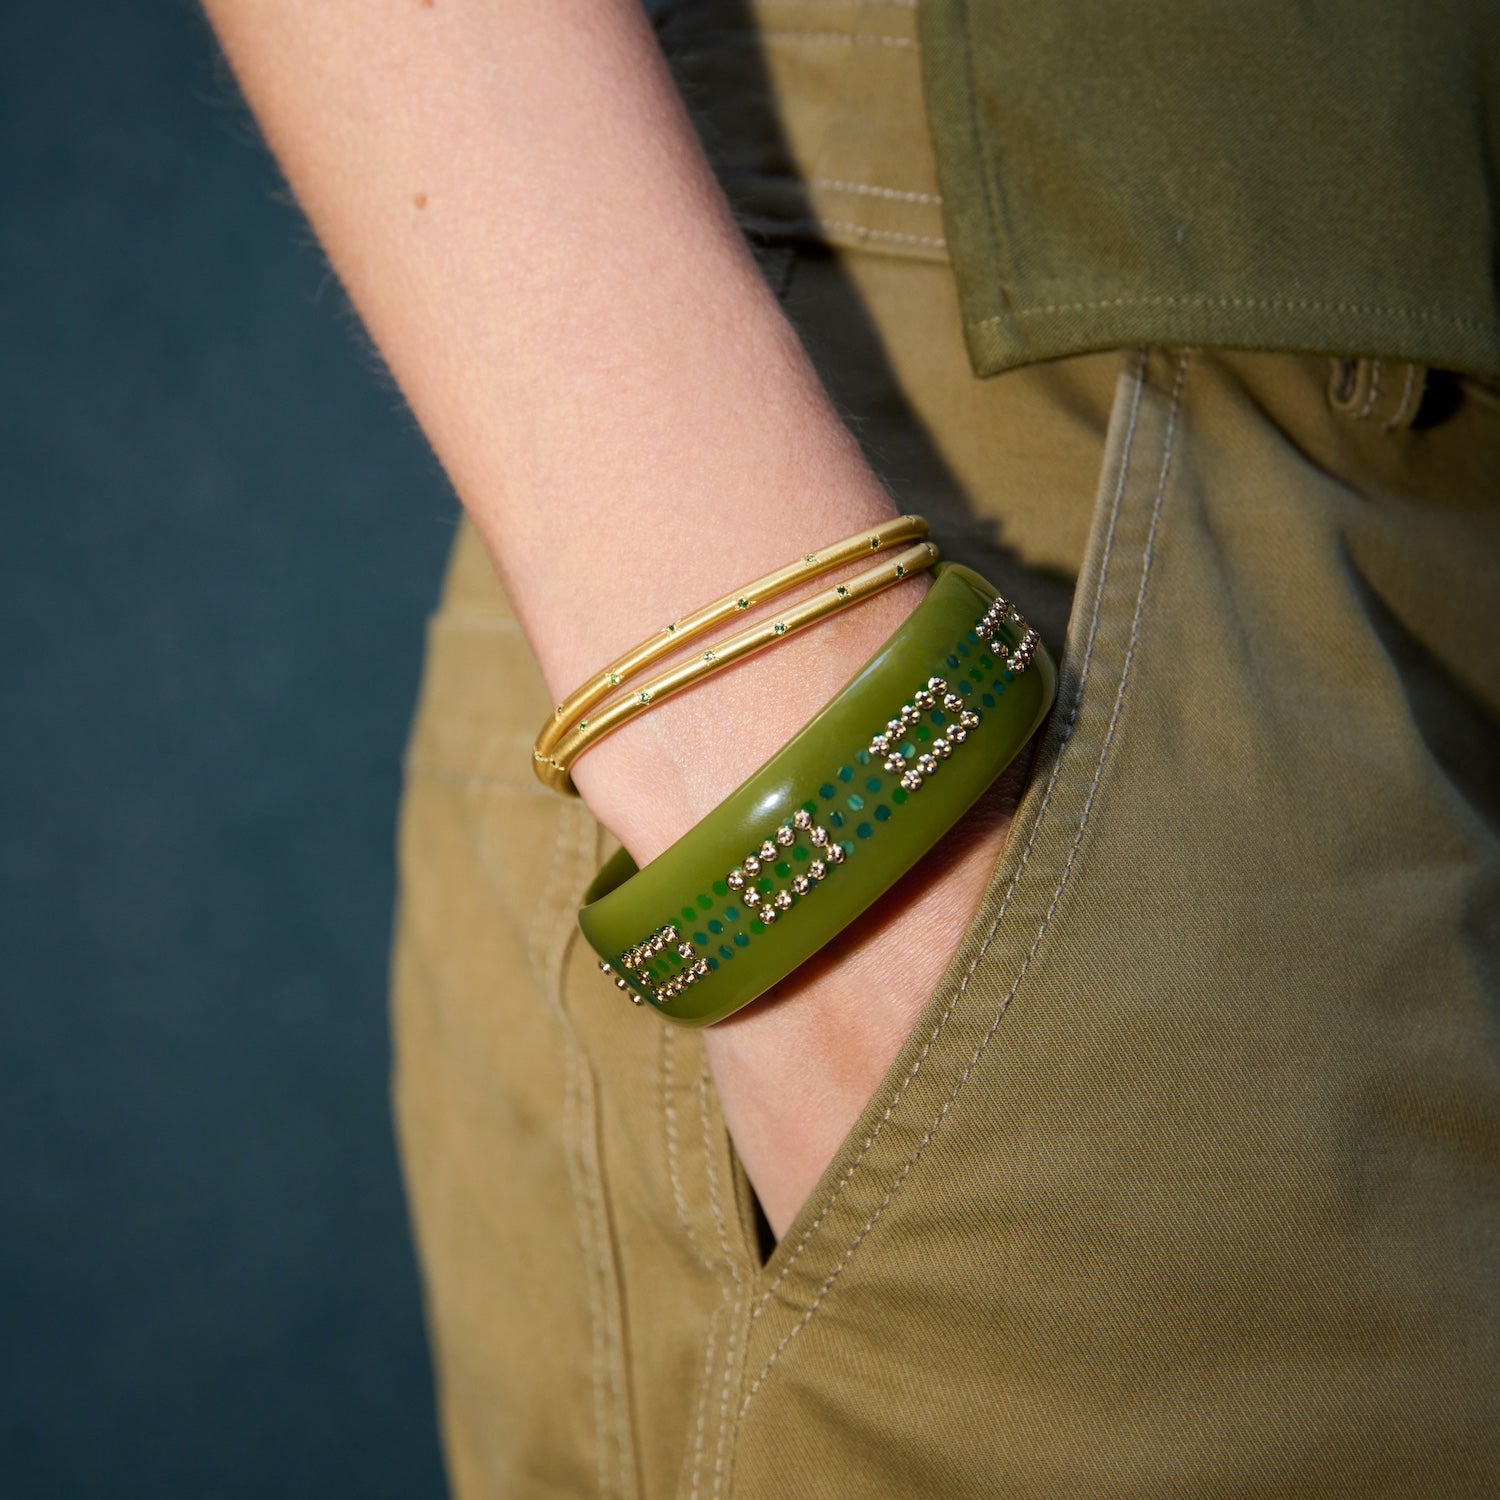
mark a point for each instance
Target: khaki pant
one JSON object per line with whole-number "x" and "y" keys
{"x": 1187, "y": 1183}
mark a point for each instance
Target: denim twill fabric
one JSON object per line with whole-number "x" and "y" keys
{"x": 1187, "y": 1182}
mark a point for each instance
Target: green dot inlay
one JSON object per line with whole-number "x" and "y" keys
{"x": 713, "y": 964}
{"x": 800, "y": 852}
{"x": 731, "y": 914}
{"x": 846, "y": 773}
{"x": 882, "y": 813}
{"x": 862, "y": 756}
{"x": 986, "y": 661}
{"x": 939, "y": 717}
{"x": 963, "y": 648}
{"x": 988, "y": 700}
{"x": 972, "y": 635}
{"x": 908, "y": 750}
{"x": 923, "y": 733}
{"x": 783, "y": 869}
{"x": 953, "y": 662}
{"x": 826, "y": 791}
{"x": 725, "y": 951}
{"x": 864, "y": 830}
{"x": 704, "y": 902}
{"x": 741, "y": 941}
{"x": 688, "y": 914}
{"x": 836, "y": 819}
{"x": 701, "y": 938}
{"x": 810, "y": 807}
{"x": 898, "y": 795}
{"x": 716, "y": 927}
{"x": 720, "y": 889}
{"x": 854, "y": 802}
{"x": 756, "y": 925}
{"x": 873, "y": 784}
{"x": 965, "y": 687}
{"x": 764, "y": 884}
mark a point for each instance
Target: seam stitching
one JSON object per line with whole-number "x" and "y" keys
{"x": 669, "y": 1116}
{"x": 1147, "y": 556}
{"x": 1403, "y": 410}
{"x": 1372, "y": 395}
{"x": 705, "y": 1380}
{"x": 718, "y": 1217}
{"x": 833, "y": 185}
{"x": 1015, "y": 879}
{"x": 1275, "y": 304}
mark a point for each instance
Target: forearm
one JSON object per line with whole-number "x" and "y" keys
{"x": 516, "y": 202}
{"x": 518, "y": 206}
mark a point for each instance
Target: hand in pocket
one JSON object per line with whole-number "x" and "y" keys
{"x": 796, "y": 1069}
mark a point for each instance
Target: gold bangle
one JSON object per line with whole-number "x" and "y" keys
{"x": 670, "y": 637}
{"x": 553, "y": 767}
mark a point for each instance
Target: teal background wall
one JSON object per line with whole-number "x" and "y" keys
{"x": 222, "y": 533}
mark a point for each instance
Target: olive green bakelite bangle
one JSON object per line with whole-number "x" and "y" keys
{"x": 834, "y": 818}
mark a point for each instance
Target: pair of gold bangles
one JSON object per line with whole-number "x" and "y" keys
{"x": 580, "y": 721}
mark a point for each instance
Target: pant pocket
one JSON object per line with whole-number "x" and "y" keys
{"x": 1147, "y": 1206}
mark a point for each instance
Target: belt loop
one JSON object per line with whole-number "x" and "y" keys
{"x": 1382, "y": 392}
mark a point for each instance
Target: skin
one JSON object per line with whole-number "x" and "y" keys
{"x": 520, "y": 210}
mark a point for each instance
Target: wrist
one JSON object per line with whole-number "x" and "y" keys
{"x": 661, "y": 773}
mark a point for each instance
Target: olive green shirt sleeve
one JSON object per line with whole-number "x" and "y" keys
{"x": 1262, "y": 174}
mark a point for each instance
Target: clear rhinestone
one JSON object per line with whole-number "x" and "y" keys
{"x": 768, "y": 914}
{"x": 819, "y": 835}
{"x": 669, "y": 932}
{"x": 786, "y": 835}
{"x": 817, "y": 869}
{"x": 783, "y": 899}
{"x": 767, "y": 851}
{"x": 802, "y": 818}
{"x": 701, "y": 967}
{"x": 896, "y": 728}
{"x": 923, "y": 699}
{"x": 735, "y": 879}
{"x": 984, "y": 629}
{"x": 958, "y": 734}
{"x": 953, "y": 703}
{"x": 801, "y": 884}
{"x": 927, "y": 764}
{"x": 880, "y": 744}
{"x": 894, "y": 763}
{"x": 936, "y": 685}
{"x": 659, "y": 942}
{"x": 910, "y": 713}
{"x": 752, "y": 897}
{"x": 836, "y": 854}
{"x": 684, "y": 950}
{"x": 912, "y": 780}
{"x": 751, "y": 864}
{"x": 942, "y": 747}
{"x": 969, "y": 718}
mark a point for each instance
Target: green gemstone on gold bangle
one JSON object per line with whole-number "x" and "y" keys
{"x": 834, "y": 818}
